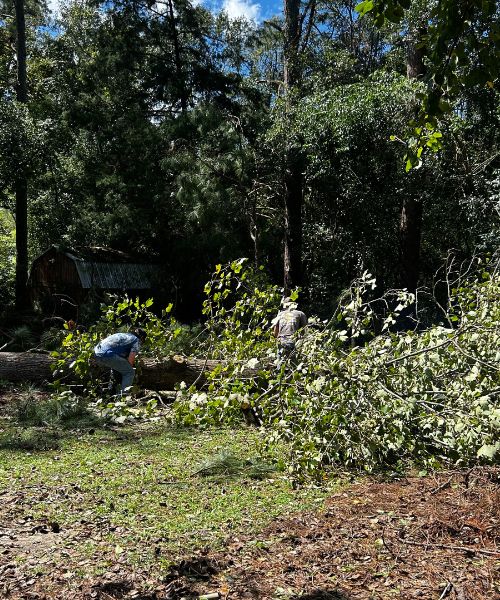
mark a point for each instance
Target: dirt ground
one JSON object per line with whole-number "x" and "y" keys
{"x": 435, "y": 537}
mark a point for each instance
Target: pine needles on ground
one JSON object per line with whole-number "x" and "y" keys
{"x": 229, "y": 465}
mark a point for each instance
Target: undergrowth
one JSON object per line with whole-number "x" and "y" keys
{"x": 64, "y": 409}
{"x": 361, "y": 392}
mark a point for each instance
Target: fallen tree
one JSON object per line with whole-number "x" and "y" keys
{"x": 153, "y": 374}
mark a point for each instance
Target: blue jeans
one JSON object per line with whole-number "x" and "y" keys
{"x": 119, "y": 365}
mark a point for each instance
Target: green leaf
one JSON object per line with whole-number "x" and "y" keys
{"x": 364, "y": 7}
{"x": 488, "y": 450}
{"x": 394, "y": 14}
{"x": 444, "y": 106}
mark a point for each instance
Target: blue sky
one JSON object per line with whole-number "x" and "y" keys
{"x": 254, "y": 10}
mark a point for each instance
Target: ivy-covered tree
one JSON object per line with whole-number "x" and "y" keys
{"x": 355, "y": 186}
{"x": 462, "y": 47}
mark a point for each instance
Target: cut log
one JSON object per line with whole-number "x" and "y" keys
{"x": 27, "y": 367}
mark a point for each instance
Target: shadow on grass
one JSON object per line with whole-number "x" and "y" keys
{"x": 32, "y": 439}
{"x": 226, "y": 465}
{"x": 123, "y": 589}
{"x": 37, "y": 423}
{"x": 43, "y": 423}
{"x": 119, "y": 589}
{"x": 50, "y": 435}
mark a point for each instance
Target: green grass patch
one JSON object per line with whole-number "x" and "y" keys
{"x": 67, "y": 411}
{"x": 33, "y": 439}
{"x": 149, "y": 494}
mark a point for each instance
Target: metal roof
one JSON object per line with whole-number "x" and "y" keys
{"x": 114, "y": 276}
{"x": 98, "y": 254}
{"x": 106, "y": 268}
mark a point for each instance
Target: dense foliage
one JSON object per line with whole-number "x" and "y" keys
{"x": 189, "y": 139}
{"x": 162, "y": 130}
{"x": 461, "y": 42}
{"x": 362, "y": 391}
{"x": 358, "y": 393}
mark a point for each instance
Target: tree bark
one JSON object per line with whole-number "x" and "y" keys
{"x": 291, "y": 68}
{"x": 410, "y": 223}
{"x": 415, "y": 67}
{"x": 22, "y": 181}
{"x": 410, "y": 231}
{"x": 293, "y": 165}
{"x": 293, "y": 221}
{"x": 153, "y": 374}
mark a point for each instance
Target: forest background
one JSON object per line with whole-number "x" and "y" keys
{"x": 179, "y": 134}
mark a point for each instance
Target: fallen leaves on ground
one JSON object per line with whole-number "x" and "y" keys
{"x": 420, "y": 537}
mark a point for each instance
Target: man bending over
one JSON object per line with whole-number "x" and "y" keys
{"x": 117, "y": 352}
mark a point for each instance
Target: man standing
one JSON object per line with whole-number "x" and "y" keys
{"x": 118, "y": 352}
{"x": 288, "y": 321}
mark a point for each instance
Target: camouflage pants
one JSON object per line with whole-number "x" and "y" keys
{"x": 286, "y": 351}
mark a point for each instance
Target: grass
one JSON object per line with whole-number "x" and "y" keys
{"x": 66, "y": 411}
{"x": 146, "y": 494}
{"x": 33, "y": 439}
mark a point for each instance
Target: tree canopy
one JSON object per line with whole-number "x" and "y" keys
{"x": 171, "y": 132}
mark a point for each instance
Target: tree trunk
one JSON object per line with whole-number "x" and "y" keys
{"x": 293, "y": 163}
{"x": 292, "y": 38}
{"x": 293, "y": 221}
{"x": 410, "y": 223}
{"x": 415, "y": 67}
{"x": 22, "y": 182}
{"x": 410, "y": 229}
{"x": 22, "y": 367}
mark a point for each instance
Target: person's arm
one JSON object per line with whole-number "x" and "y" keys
{"x": 134, "y": 351}
{"x": 275, "y": 324}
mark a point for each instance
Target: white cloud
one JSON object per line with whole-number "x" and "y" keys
{"x": 160, "y": 7}
{"x": 236, "y": 9}
{"x": 53, "y": 6}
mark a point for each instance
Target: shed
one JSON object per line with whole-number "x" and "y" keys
{"x": 74, "y": 273}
